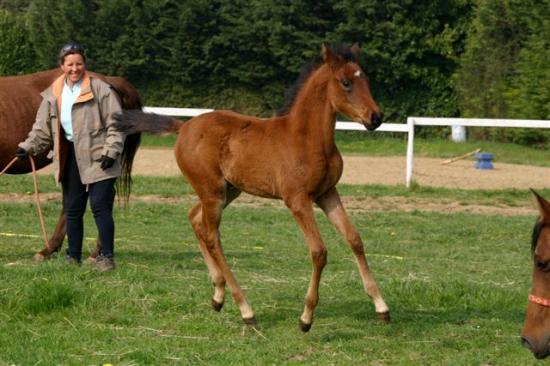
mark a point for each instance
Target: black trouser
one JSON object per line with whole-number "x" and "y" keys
{"x": 75, "y": 196}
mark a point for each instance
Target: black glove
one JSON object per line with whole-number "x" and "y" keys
{"x": 106, "y": 162}
{"x": 21, "y": 153}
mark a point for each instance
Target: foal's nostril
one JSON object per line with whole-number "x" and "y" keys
{"x": 376, "y": 119}
{"x": 537, "y": 352}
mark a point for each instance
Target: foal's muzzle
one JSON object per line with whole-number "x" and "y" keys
{"x": 375, "y": 122}
{"x": 539, "y": 350}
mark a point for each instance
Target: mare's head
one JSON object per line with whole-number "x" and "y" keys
{"x": 348, "y": 87}
{"x": 536, "y": 329}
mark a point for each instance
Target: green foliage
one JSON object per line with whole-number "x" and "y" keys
{"x": 422, "y": 58}
{"x": 14, "y": 6}
{"x": 248, "y": 52}
{"x": 16, "y": 52}
{"x": 529, "y": 93}
{"x": 504, "y": 70}
{"x": 412, "y": 49}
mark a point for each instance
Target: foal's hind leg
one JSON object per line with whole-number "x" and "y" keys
{"x": 211, "y": 215}
{"x": 205, "y": 218}
{"x": 195, "y": 216}
{"x": 331, "y": 204}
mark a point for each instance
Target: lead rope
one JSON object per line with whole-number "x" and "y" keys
{"x": 36, "y": 195}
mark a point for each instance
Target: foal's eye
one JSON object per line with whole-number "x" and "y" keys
{"x": 346, "y": 84}
{"x": 543, "y": 265}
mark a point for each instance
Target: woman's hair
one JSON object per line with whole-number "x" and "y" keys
{"x": 70, "y": 49}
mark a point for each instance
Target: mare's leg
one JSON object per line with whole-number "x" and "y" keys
{"x": 302, "y": 210}
{"x": 95, "y": 253}
{"x": 56, "y": 240}
{"x": 195, "y": 217}
{"x": 331, "y": 204}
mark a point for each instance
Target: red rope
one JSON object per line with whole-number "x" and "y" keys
{"x": 36, "y": 195}
{"x": 9, "y": 165}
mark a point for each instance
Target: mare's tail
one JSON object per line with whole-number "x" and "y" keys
{"x": 133, "y": 121}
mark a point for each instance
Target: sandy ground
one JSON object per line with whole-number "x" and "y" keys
{"x": 373, "y": 170}
{"x": 391, "y": 171}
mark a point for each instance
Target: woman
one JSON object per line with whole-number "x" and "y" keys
{"x": 75, "y": 121}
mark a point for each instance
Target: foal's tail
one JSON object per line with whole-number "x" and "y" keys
{"x": 133, "y": 121}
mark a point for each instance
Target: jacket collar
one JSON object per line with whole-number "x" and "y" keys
{"x": 85, "y": 89}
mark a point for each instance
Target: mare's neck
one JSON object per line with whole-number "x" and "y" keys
{"x": 312, "y": 115}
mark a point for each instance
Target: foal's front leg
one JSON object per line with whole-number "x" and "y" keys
{"x": 331, "y": 204}
{"x": 302, "y": 210}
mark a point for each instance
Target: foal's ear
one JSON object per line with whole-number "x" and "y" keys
{"x": 543, "y": 206}
{"x": 331, "y": 58}
{"x": 356, "y": 50}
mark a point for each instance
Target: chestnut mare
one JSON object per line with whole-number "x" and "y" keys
{"x": 19, "y": 101}
{"x": 291, "y": 157}
{"x": 536, "y": 330}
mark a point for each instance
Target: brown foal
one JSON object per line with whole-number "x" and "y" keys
{"x": 536, "y": 330}
{"x": 291, "y": 157}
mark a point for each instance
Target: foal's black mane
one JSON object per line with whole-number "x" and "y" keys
{"x": 539, "y": 225}
{"x": 305, "y": 72}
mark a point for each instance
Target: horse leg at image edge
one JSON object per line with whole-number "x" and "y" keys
{"x": 332, "y": 206}
{"x": 95, "y": 253}
{"x": 302, "y": 210}
{"x": 56, "y": 240}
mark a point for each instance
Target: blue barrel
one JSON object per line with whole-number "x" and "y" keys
{"x": 484, "y": 160}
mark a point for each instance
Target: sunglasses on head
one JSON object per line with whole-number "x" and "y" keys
{"x": 72, "y": 47}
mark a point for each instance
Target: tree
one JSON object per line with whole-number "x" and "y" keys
{"x": 411, "y": 48}
{"x": 16, "y": 52}
{"x": 504, "y": 71}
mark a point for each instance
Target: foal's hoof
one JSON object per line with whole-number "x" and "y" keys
{"x": 39, "y": 257}
{"x": 217, "y": 305}
{"x": 383, "y": 317}
{"x": 251, "y": 322}
{"x": 304, "y": 327}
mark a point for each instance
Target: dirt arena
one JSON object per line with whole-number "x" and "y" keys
{"x": 377, "y": 170}
{"x": 391, "y": 170}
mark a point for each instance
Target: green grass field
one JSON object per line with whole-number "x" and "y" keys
{"x": 456, "y": 284}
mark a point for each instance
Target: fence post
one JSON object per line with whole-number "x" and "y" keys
{"x": 410, "y": 152}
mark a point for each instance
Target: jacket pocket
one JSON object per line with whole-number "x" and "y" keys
{"x": 97, "y": 142}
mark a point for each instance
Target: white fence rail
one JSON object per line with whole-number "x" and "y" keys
{"x": 340, "y": 125}
{"x": 389, "y": 127}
